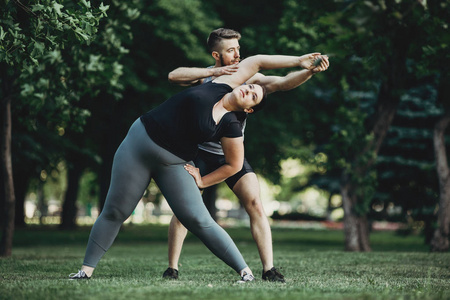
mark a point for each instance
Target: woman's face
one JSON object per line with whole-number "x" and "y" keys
{"x": 247, "y": 96}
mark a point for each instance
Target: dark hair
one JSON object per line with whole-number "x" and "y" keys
{"x": 263, "y": 102}
{"x": 220, "y": 34}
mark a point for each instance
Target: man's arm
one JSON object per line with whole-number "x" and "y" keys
{"x": 191, "y": 76}
{"x": 288, "y": 82}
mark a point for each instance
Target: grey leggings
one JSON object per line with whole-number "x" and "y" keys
{"x": 137, "y": 160}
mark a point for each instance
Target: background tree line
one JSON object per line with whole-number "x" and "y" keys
{"x": 373, "y": 124}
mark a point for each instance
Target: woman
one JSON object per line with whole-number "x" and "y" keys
{"x": 160, "y": 144}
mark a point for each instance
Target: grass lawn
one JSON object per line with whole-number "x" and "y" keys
{"x": 313, "y": 261}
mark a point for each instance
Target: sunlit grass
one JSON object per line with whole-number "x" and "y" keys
{"x": 313, "y": 261}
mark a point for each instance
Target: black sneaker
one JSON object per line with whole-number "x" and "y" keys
{"x": 170, "y": 273}
{"x": 273, "y": 275}
{"x": 79, "y": 275}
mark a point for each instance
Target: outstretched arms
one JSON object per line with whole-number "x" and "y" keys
{"x": 290, "y": 81}
{"x": 252, "y": 65}
{"x": 190, "y": 76}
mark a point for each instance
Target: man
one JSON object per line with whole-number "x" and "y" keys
{"x": 225, "y": 49}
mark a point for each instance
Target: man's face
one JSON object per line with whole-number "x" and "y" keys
{"x": 229, "y": 52}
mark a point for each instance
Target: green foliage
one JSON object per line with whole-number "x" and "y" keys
{"x": 59, "y": 73}
{"x": 34, "y": 41}
{"x": 168, "y": 34}
{"x": 27, "y": 33}
{"x": 362, "y": 39}
{"x": 33, "y": 47}
{"x": 62, "y": 88}
{"x": 169, "y": 22}
{"x": 406, "y": 164}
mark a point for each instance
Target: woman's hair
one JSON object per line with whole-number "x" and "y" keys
{"x": 263, "y": 102}
{"x": 220, "y": 34}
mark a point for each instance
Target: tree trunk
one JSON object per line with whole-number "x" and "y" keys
{"x": 356, "y": 228}
{"x": 2, "y": 192}
{"x": 209, "y": 198}
{"x": 41, "y": 205}
{"x": 19, "y": 218}
{"x": 440, "y": 241}
{"x": 329, "y": 207}
{"x": 69, "y": 210}
{"x": 7, "y": 175}
{"x": 20, "y": 189}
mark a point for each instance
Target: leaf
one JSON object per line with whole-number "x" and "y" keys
{"x": 38, "y": 48}
{"x": 37, "y": 7}
{"x": 57, "y": 7}
{"x": 103, "y": 8}
{"x": 2, "y": 34}
{"x": 85, "y": 3}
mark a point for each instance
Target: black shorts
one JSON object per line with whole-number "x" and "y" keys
{"x": 208, "y": 162}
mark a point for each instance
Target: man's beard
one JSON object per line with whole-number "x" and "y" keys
{"x": 221, "y": 60}
{"x": 222, "y": 63}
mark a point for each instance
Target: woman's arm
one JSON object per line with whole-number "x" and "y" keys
{"x": 233, "y": 149}
{"x": 252, "y": 65}
{"x": 291, "y": 80}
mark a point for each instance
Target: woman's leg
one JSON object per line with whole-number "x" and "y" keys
{"x": 129, "y": 178}
{"x": 207, "y": 163}
{"x": 184, "y": 197}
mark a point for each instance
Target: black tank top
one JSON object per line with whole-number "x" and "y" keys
{"x": 185, "y": 120}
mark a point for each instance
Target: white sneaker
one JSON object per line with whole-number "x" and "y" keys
{"x": 80, "y": 275}
{"x": 246, "y": 278}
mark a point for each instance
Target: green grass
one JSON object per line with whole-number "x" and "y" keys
{"x": 313, "y": 261}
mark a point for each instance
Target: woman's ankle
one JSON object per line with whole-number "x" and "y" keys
{"x": 244, "y": 271}
{"x": 88, "y": 270}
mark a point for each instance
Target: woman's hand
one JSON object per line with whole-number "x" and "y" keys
{"x": 195, "y": 172}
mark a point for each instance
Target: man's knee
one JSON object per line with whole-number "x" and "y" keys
{"x": 253, "y": 206}
{"x": 247, "y": 190}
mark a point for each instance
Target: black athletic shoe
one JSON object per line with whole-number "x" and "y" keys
{"x": 79, "y": 275}
{"x": 273, "y": 275}
{"x": 170, "y": 273}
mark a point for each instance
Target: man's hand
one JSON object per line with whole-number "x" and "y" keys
{"x": 321, "y": 64}
{"x": 195, "y": 172}
{"x": 225, "y": 70}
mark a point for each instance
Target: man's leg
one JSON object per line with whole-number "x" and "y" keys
{"x": 246, "y": 187}
{"x": 177, "y": 234}
{"x": 248, "y": 192}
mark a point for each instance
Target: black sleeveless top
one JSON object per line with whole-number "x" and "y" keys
{"x": 185, "y": 120}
